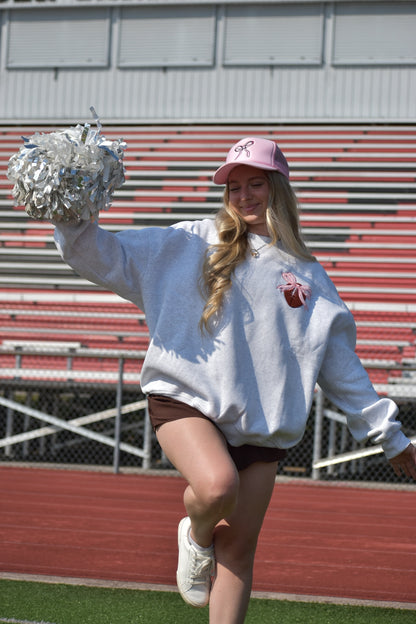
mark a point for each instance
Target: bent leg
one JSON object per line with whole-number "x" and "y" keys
{"x": 236, "y": 542}
{"x": 199, "y": 452}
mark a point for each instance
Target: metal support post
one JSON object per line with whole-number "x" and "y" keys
{"x": 317, "y": 438}
{"x": 9, "y": 429}
{"x": 147, "y": 441}
{"x": 117, "y": 424}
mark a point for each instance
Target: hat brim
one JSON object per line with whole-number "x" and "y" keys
{"x": 222, "y": 173}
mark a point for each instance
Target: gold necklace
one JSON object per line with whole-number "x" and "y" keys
{"x": 255, "y": 252}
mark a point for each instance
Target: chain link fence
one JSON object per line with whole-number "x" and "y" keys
{"x": 104, "y": 423}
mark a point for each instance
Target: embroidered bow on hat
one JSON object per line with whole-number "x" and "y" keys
{"x": 295, "y": 293}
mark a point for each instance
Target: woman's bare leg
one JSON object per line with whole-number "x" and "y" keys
{"x": 216, "y": 491}
{"x": 198, "y": 451}
{"x": 235, "y": 545}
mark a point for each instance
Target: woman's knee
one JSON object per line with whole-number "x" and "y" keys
{"x": 219, "y": 493}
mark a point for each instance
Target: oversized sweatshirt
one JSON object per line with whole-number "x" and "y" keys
{"x": 256, "y": 373}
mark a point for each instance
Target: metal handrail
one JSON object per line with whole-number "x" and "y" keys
{"x": 318, "y": 461}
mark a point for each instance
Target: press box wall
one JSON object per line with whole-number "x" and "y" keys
{"x": 202, "y": 61}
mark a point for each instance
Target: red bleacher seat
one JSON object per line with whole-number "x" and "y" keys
{"x": 356, "y": 186}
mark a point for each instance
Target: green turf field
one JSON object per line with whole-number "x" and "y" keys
{"x": 42, "y": 603}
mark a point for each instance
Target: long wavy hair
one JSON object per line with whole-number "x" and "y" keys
{"x": 221, "y": 259}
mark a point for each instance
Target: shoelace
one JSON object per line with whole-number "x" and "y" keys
{"x": 201, "y": 567}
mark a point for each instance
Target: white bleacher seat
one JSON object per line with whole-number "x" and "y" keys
{"x": 357, "y": 190}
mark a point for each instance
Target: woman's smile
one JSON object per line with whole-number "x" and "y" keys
{"x": 248, "y": 194}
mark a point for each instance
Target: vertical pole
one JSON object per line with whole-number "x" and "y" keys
{"x": 344, "y": 440}
{"x": 332, "y": 443}
{"x": 317, "y": 438}
{"x": 26, "y": 425}
{"x": 147, "y": 441}
{"x": 9, "y": 427}
{"x": 117, "y": 424}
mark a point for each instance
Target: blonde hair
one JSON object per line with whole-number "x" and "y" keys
{"x": 221, "y": 259}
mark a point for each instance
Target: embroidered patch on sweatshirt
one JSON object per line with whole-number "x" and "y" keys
{"x": 295, "y": 293}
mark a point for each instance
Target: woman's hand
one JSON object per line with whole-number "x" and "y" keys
{"x": 405, "y": 462}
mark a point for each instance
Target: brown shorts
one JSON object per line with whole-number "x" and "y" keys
{"x": 163, "y": 409}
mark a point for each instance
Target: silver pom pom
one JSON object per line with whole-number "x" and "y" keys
{"x": 67, "y": 176}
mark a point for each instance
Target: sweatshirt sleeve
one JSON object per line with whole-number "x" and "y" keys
{"x": 115, "y": 261}
{"x": 345, "y": 382}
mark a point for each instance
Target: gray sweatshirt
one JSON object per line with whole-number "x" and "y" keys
{"x": 255, "y": 375}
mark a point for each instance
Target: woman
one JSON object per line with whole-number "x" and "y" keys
{"x": 243, "y": 323}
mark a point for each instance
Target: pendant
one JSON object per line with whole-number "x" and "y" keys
{"x": 254, "y": 253}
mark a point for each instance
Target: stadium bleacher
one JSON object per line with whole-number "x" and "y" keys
{"x": 357, "y": 189}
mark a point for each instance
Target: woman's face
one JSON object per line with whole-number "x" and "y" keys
{"x": 248, "y": 196}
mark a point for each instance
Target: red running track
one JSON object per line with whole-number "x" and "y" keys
{"x": 317, "y": 540}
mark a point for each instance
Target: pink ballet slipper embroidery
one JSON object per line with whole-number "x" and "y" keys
{"x": 296, "y": 294}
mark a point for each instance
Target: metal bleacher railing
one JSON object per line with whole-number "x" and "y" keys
{"x": 357, "y": 190}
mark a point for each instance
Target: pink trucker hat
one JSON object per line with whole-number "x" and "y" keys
{"x": 261, "y": 153}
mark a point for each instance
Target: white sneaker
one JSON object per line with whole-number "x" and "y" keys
{"x": 195, "y": 568}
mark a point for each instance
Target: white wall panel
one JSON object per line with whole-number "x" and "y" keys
{"x": 380, "y": 33}
{"x": 289, "y": 34}
{"x": 349, "y": 94}
{"x": 178, "y": 36}
{"x": 77, "y": 38}
{"x": 216, "y": 93}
